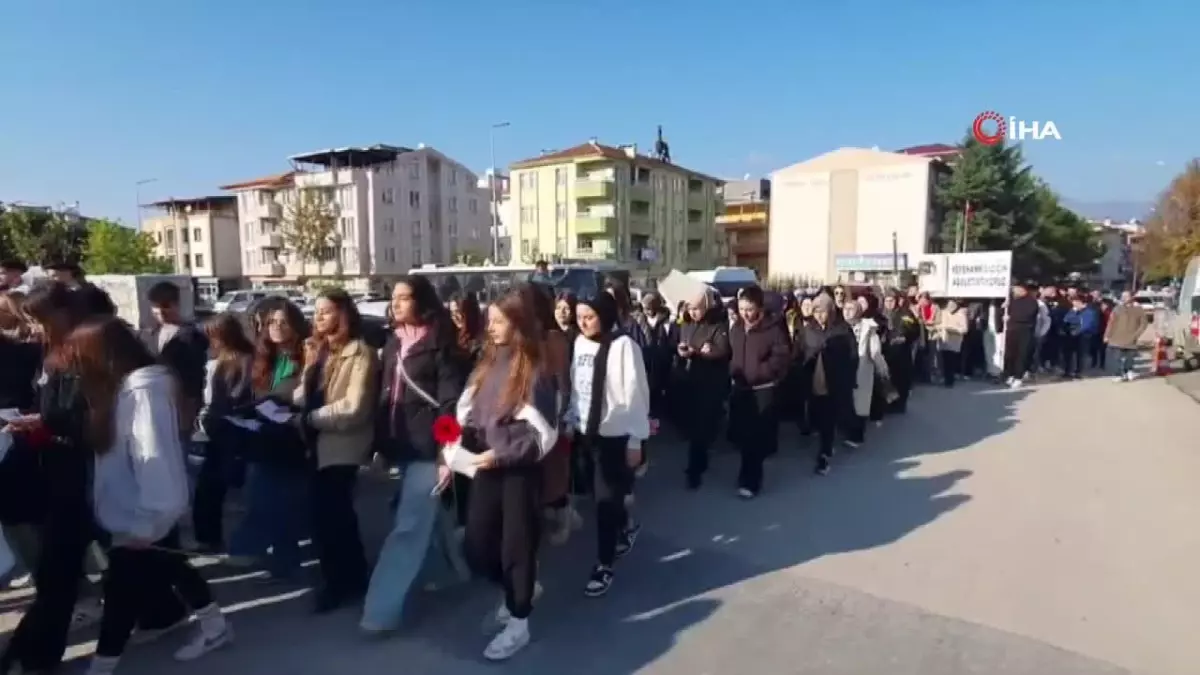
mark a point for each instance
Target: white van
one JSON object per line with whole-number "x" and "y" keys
{"x": 727, "y": 281}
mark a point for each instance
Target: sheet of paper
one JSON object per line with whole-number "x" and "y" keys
{"x": 459, "y": 459}
{"x": 274, "y": 412}
{"x": 9, "y": 414}
{"x": 249, "y": 425}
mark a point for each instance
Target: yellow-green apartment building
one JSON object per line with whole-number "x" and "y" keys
{"x": 595, "y": 201}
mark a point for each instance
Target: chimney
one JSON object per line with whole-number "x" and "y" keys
{"x": 593, "y": 140}
{"x": 630, "y": 150}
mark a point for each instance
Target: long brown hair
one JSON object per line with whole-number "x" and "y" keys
{"x": 103, "y": 352}
{"x": 230, "y": 346}
{"x": 266, "y": 351}
{"x": 58, "y": 310}
{"x": 526, "y": 344}
{"x": 15, "y": 324}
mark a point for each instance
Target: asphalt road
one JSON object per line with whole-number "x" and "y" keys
{"x": 1044, "y": 531}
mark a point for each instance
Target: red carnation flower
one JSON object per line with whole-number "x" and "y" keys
{"x": 446, "y": 430}
{"x": 39, "y": 437}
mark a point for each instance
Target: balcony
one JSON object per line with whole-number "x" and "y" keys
{"x": 641, "y": 191}
{"x": 594, "y": 223}
{"x": 274, "y": 241}
{"x": 641, "y": 224}
{"x": 272, "y": 210}
{"x": 277, "y": 269}
{"x": 595, "y": 189}
{"x": 696, "y": 199}
{"x": 752, "y": 247}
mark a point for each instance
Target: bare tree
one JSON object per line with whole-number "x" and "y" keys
{"x": 1173, "y": 231}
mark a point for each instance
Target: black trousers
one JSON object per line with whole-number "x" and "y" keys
{"x": 336, "y": 535}
{"x": 208, "y": 500}
{"x": 1099, "y": 351}
{"x": 1018, "y": 350}
{"x": 753, "y": 413}
{"x": 612, "y": 481}
{"x": 700, "y": 428}
{"x": 951, "y": 361}
{"x": 824, "y": 413}
{"x": 1073, "y": 348}
{"x": 132, "y": 585}
{"x": 503, "y": 532}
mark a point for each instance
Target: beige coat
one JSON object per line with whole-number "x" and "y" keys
{"x": 344, "y": 426}
{"x": 951, "y": 328}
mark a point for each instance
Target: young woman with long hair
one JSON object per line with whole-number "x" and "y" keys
{"x": 336, "y": 397}
{"x": 468, "y": 322}
{"x": 55, "y": 491}
{"x": 19, "y": 352}
{"x": 276, "y": 474}
{"x": 226, "y": 388}
{"x": 564, "y": 313}
{"x": 140, "y": 487}
{"x": 424, "y": 371}
{"x": 509, "y": 417}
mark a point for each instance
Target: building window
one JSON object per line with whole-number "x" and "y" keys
{"x": 388, "y": 196}
{"x": 560, "y": 177}
{"x": 473, "y": 206}
{"x": 416, "y": 257}
{"x": 199, "y": 260}
{"x": 414, "y": 199}
{"x": 560, "y": 212}
{"x": 527, "y": 215}
{"x": 454, "y": 205}
{"x": 454, "y": 177}
{"x": 414, "y": 171}
{"x": 184, "y": 233}
{"x": 391, "y": 225}
{"x": 453, "y": 227}
{"x": 196, "y": 234}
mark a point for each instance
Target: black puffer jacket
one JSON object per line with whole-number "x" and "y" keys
{"x": 759, "y": 355}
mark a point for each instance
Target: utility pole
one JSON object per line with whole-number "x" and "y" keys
{"x": 895, "y": 260}
{"x": 137, "y": 191}
{"x": 495, "y": 192}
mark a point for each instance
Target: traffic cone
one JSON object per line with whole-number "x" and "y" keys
{"x": 1162, "y": 364}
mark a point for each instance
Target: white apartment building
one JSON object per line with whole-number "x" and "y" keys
{"x": 836, "y": 215}
{"x": 396, "y": 208}
{"x": 200, "y": 235}
{"x": 495, "y": 188}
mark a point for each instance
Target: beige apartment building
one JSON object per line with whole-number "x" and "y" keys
{"x": 200, "y": 235}
{"x": 396, "y": 208}
{"x": 835, "y": 217}
{"x": 595, "y": 201}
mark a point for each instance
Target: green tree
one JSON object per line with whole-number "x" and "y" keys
{"x": 1173, "y": 231}
{"x": 988, "y": 201}
{"x": 310, "y": 231}
{"x": 1063, "y": 243}
{"x": 41, "y": 236}
{"x": 112, "y": 248}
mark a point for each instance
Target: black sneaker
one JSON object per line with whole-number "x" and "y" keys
{"x": 628, "y": 539}
{"x": 822, "y": 468}
{"x": 599, "y": 582}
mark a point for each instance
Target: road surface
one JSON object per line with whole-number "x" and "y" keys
{"x": 1045, "y": 531}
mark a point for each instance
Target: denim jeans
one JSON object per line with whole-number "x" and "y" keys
{"x": 276, "y": 501}
{"x": 1128, "y": 356}
{"x": 419, "y": 526}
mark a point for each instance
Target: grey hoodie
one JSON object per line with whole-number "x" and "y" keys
{"x": 140, "y": 487}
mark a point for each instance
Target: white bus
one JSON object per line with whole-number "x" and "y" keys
{"x": 584, "y": 280}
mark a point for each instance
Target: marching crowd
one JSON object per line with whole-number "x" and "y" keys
{"x": 555, "y": 398}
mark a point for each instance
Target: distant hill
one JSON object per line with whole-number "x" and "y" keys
{"x": 1114, "y": 210}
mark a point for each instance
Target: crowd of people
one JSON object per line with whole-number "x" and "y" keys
{"x": 557, "y": 399}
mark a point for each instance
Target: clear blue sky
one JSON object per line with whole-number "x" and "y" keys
{"x": 196, "y": 93}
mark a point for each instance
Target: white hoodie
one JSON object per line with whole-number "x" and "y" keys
{"x": 626, "y": 407}
{"x": 140, "y": 486}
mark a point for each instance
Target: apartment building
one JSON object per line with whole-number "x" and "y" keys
{"x": 745, "y": 218}
{"x": 200, "y": 235}
{"x": 598, "y": 201}
{"x": 496, "y": 187}
{"x": 395, "y": 208}
{"x": 832, "y": 216}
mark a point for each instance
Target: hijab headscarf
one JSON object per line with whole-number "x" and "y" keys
{"x": 605, "y": 307}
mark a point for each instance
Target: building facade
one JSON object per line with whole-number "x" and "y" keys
{"x": 496, "y": 188}
{"x": 850, "y": 202}
{"x": 200, "y": 236}
{"x": 744, "y": 219}
{"x": 394, "y": 209}
{"x": 1115, "y": 267}
{"x": 595, "y": 201}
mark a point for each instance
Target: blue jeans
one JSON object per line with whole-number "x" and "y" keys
{"x": 420, "y": 524}
{"x": 276, "y": 501}
{"x": 1127, "y": 356}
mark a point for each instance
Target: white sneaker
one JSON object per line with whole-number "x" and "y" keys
{"x": 1130, "y": 376}
{"x": 1015, "y": 383}
{"x": 203, "y": 642}
{"x": 496, "y": 621}
{"x": 20, "y": 582}
{"x": 511, "y": 640}
{"x": 1010, "y": 381}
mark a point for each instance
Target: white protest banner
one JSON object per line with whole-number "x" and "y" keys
{"x": 678, "y": 287}
{"x": 981, "y": 274}
{"x": 931, "y": 273}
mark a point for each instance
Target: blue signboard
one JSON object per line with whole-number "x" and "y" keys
{"x": 869, "y": 262}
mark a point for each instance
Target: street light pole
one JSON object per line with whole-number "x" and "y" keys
{"x": 137, "y": 191}
{"x": 495, "y": 192}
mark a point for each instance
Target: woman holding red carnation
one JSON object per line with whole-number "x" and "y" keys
{"x": 509, "y": 415}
